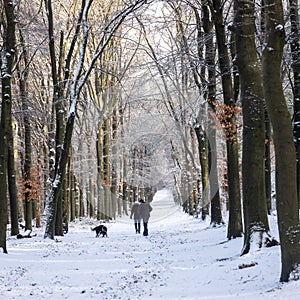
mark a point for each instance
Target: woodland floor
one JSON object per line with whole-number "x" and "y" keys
{"x": 182, "y": 258}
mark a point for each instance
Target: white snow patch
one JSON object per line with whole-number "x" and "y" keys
{"x": 182, "y": 258}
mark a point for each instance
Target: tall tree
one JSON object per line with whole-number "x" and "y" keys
{"x": 295, "y": 50}
{"x": 228, "y": 118}
{"x": 210, "y": 94}
{"x": 286, "y": 173}
{"x": 254, "y": 198}
{"x": 100, "y": 173}
{"x": 107, "y": 168}
{"x": 29, "y": 196}
{"x": 12, "y": 182}
{"x": 7, "y": 62}
{"x": 268, "y": 135}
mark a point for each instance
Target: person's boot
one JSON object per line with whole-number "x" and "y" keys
{"x": 145, "y": 229}
{"x": 138, "y": 227}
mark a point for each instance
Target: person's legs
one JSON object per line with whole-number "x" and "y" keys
{"x": 139, "y": 226}
{"x": 136, "y": 224}
{"x": 145, "y": 233}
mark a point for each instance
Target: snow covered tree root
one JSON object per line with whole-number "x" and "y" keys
{"x": 257, "y": 238}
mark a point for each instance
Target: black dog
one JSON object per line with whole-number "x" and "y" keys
{"x": 101, "y": 229}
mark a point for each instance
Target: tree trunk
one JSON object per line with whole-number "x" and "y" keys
{"x": 195, "y": 179}
{"x": 28, "y": 199}
{"x": 66, "y": 204}
{"x": 189, "y": 187}
{"x": 215, "y": 202}
{"x": 203, "y": 154}
{"x": 7, "y": 61}
{"x": 268, "y": 179}
{"x": 59, "y": 177}
{"x": 254, "y": 197}
{"x": 59, "y": 211}
{"x": 58, "y": 104}
{"x": 235, "y": 227}
{"x": 12, "y": 184}
{"x": 91, "y": 192}
{"x": 122, "y": 204}
{"x": 114, "y": 166}
{"x": 286, "y": 173}
{"x": 80, "y": 197}
{"x": 268, "y": 170}
{"x": 235, "y": 71}
{"x": 71, "y": 197}
{"x": 99, "y": 147}
{"x": 106, "y": 169}
{"x": 295, "y": 50}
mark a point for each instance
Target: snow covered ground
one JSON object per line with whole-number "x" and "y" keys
{"x": 182, "y": 258}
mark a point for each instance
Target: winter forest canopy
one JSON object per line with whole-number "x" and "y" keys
{"x": 106, "y": 102}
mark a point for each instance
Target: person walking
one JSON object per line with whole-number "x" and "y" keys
{"x": 136, "y": 216}
{"x": 144, "y": 210}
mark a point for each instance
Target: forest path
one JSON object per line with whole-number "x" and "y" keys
{"x": 182, "y": 258}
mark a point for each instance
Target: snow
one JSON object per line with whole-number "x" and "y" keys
{"x": 182, "y": 258}
{"x": 6, "y": 75}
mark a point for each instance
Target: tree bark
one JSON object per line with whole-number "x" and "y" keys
{"x": 12, "y": 183}
{"x": 235, "y": 226}
{"x": 7, "y": 61}
{"x": 295, "y": 50}
{"x": 59, "y": 177}
{"x": 107, "y": 169}
{"x": 100, "y": 174}
{"x": 268, "y": 166}
{"x": 202, "y": 148}
{"x": 254, "y": 198}
{"x": 114, "y": 166}
{"x": 27, "y": 168}
{"x": 59, "y": 112}
{"x": 215, "y": 201}
{"x": 286, "y": 173}
{"x": 122, "y": 204}
{"x": 268, "y": 179}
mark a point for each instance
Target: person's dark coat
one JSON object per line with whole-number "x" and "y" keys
{"x": 144, "y": 211}
{"x": 135, "y": 211}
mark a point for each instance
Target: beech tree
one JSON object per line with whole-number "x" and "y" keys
{"x": 256, "y": 224}
{"x": 209, "y": 90}
{"x": 286, "y": 172}
{"x": 27, "y": 179}
{"x": 7, "y": 64}
{"x": 229, "y": 122}
{"x": 294, "y": 40}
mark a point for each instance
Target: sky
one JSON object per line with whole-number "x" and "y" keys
{"x": 182, "y": 258}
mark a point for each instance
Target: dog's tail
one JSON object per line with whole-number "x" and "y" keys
{"x": 93, "y": 228}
